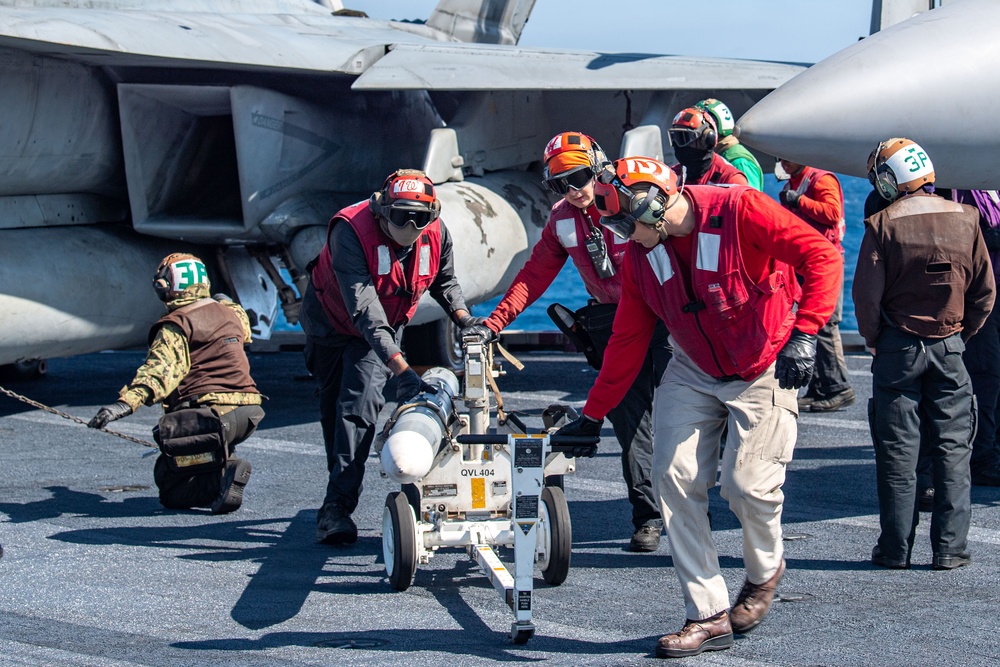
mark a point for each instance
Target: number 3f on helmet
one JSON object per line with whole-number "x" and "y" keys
{"x": 176, "y": 273}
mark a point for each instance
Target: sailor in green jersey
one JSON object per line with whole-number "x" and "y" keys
{"x": 729, "y": 146}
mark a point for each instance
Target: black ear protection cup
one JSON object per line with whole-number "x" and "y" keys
{"x": 161, "y": 282}
{"x": 710, "y": 138}
{"x": 375, "y": 203}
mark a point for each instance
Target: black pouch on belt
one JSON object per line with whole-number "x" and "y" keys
{"x": 589, "y": 328}
{"x": 192, "y": 439}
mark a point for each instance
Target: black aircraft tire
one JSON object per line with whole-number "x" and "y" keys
{"x": 434, "y": 344}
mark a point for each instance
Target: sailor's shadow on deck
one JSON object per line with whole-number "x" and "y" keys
{"x": 493, "y": 645}
{"x": 291, "y": 562}
{"x": 67, "y": 501}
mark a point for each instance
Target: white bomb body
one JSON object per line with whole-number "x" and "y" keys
{"x": 418, "y": 430}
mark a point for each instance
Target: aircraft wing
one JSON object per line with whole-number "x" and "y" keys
{"x": 309, "y": 40}
{"x": 387, "y": 55}
{"x": 412, "y": 66}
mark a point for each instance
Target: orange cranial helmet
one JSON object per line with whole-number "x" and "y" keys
{"x": 694, "y": 128}
{"x": 635, "y": 189}
{"x": 572, "y": 159}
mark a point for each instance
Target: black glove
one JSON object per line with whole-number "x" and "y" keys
{"x": 409, "y": 385}
{"x": 789, "y": 198}
{"x": 583, "y": 426}
{"x": 795, "y": 363}
{"x": 475, "y": 326}
{"x": 110, "y": 413}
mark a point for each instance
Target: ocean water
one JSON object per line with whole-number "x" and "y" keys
{"x": 568, "y": 288}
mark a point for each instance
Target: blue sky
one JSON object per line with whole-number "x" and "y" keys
{"x": 789, "y": 30}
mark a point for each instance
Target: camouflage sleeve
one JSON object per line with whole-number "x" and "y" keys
{"x": 167, "y": 362}
{"x": 244, "y": 320}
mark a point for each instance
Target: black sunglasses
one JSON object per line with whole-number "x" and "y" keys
{"x": 576, "y": 179}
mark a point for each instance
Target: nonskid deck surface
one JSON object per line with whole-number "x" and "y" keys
{"x": 96, "y": 572}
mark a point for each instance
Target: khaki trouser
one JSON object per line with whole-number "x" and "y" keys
{"x": 690, "y": 412}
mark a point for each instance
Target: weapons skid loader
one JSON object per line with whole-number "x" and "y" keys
{"x": 465, "y": 487}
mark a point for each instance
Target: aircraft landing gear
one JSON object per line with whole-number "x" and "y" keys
{"x": 26, "y": 369}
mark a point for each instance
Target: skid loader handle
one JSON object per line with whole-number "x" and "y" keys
{"x": 574, "y": 445}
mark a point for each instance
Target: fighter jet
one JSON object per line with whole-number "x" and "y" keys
{"x": 931, "y": 78}
{"x": 236, "y": 128}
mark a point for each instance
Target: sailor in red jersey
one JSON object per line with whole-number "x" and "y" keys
{"x": 717, "y": 264}
{"x": 815, "y": 196}
{"x": 693, "y": 136}
{"x": 573, "y": 232}
{"x": 380, "y": 257}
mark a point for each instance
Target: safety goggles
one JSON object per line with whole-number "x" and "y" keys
{"x": 577, "y": 179}
{"x": 419, "y": 218}
{"x": 683, "y": 137}
{"x": 620, "y": 224}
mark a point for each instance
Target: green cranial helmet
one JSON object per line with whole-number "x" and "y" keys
{"x": 720, "y": 112}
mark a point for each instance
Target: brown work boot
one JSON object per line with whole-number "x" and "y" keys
{"x": 712, "y": 634}
{"x": 753, "y": 602}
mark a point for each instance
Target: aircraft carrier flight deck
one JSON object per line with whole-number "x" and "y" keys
{"x": 96, "y": 572}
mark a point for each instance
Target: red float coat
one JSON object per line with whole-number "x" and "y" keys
{"x": 563, "y": 236}
{"x": 388, "y": 275}
{"x": 721, "y": 172}
{"x": 750, "y": 290}
{"x": 821, "y": 203}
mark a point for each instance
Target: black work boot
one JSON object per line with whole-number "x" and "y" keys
{"x": 832, "y": 403}
{"x": 235, "y": 476}
{"x": 335, "y": 526}
{"x": 646, "y": 539}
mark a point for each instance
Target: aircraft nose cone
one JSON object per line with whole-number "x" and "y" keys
{"x": 931, "y": 79}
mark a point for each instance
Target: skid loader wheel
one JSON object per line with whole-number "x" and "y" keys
{"x": 399, "y": 540}
{"x": 557, "y": 534}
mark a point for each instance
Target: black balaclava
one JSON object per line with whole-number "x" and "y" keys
{"x": 697, "y": 161}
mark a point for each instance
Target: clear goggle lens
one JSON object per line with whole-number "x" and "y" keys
{"x": 621, "y": 226}
{"x": 683, "y": 137}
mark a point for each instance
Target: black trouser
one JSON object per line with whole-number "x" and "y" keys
{"x": 921, "y": 383}
{"x": 632, "y": 422}
{"x": 982, "y": 358}
{"x": 830, "y": 376}
{"x": 351, "y": 378}
{"x": 182, "y": 491}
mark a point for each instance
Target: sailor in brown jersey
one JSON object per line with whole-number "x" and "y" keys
{"x": 197, "y": 368}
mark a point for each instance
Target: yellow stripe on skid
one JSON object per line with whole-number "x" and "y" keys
{"x": 478, "y": 493}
